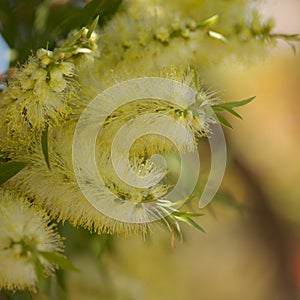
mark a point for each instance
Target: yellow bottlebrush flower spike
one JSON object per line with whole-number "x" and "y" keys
{"x": 68, "y": 203}
{"x": 24, "y": 233}
{"x": 161, "y": 33}
{"x": 43, "y": 91}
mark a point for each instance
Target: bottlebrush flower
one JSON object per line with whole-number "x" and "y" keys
{"x": 42, "y": 91}
{"x": 24, "y": 233}
{"x": 67, "y": 203}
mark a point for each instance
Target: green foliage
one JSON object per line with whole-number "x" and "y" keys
{"x": 29, "y": 25}
{"x": 104, "y": 8}
{"x": 213, "y": 34}
{"x": 10, "y": 169}
{"x": 52, "y": 288}
{"x": 186, "y": 217}
{"x": 59, "y": 260}
{"x": 210, "y": 21}
{"x": 229, "y": 107}
{"x": 288, "y": 38}
{"x": 18, "y": 295}
{"x": 223, "y": 121}
{"x": 44, "y": 142}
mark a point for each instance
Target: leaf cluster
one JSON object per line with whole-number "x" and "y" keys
{"x": 229, "y": 107}
{"x": 28, "y": 25}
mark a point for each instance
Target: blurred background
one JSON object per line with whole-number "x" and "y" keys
{"x": 251, "y": 249}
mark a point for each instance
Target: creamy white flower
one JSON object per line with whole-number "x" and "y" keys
{"x": 42, "y": 94}
{"x": 24, "y": 232}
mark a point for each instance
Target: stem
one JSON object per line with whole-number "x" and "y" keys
{"x": 286, "y": 37}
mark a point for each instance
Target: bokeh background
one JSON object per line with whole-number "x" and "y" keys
{"x": 251, "y": 249}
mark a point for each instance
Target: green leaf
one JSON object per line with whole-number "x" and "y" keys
{"x": 236, "y": 103}
{"x": 59, "y": 260}
{"x": 39, "y": 269}
{"x": 71, "y": 41}
{"x": 92, "y": 27}
{"x": 233, "y": 112}
{"x": 51, "y": 288}
{"x": 10, "y": 169}
{"x": 217, "y": 36}
{"x": 57, "y": 292}
{"x": 289, "y": 37}
{"x": 24, "y": 295}
{"x": 190, "y": 222}
{"x": 210, "y": 21}
{"x": 223, "y": 121}
{"x": 44, "y": 142}
{"x": 196, "y": 79}
{"x": 104, "y": 8}
{"x": 4, "y": 157}
{"x": 41, "y": 16}
{"x": 228, "y": 109}
{"x": 186, "y": 214}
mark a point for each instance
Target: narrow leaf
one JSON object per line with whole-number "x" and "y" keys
{"x": 223, "y": 121}
{"x": 233, "y": 112}
{"x": 186, "y": 214}
{"x": 71, "y": 41}
{"x": 228, "y": 109}
{"x": 17, "y": 295}
{"x": 191, "y": 222}
{"x": 59, "y": 260}
{"x": 292, "y": 37}
{"x": 93, "y": 27}
{"x": 236, "y": 103}
{"x": 104, "y": 8}
{"x": 210, "y": 21}
{"x": 194, "y": 224}
{"x": 52, "y": 288}
{"x": 57, "y": 291}
{"x": 66, "y": 49}
{"x": 196, "y": 79}
{"x": 44, "y": 142}
{"x": 39, "y": 269}
{"x": 10, "y": 169}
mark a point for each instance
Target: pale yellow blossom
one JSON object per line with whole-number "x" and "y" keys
{"x": 24, "y": 233}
